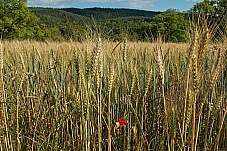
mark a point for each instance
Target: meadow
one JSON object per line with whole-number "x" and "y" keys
{"x": 69, "y": 95}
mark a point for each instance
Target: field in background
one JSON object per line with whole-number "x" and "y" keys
{"x": 68, "y": 96}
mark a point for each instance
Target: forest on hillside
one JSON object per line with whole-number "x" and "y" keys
{"x": 17, "y": 21}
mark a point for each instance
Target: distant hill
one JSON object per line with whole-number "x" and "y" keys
{"x": 71, "y": 23}
{"x": 53, "y": 16}
{"x": 56, "y": 15}
{"x": 108, "y": 13}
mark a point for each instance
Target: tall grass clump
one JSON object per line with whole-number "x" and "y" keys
{"x": 103, "y": 95}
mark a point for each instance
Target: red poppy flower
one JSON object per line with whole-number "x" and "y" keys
{"x": 121, "y": 122}
{"x": 43, "y": 137}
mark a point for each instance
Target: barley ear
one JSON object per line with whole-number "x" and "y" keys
{"x": 147, "y": 84}
{"x": 110, "y": 85}
{"x": 111, "y": 78}
{"x": 194, "y": 62}
{"x": 203, "y": 45}
{"x": 189, "y": 109}
{"x": 216, "y": 68}
{"x": 132, "y": 82}
{"x": 77, "y": 68}
{"x": 160, "y": 65}
{"x": 124, "y": 55}
{"x": 95, "y": 56}
{"x": 87, "y": 62}
{"x": 99, "y": 72}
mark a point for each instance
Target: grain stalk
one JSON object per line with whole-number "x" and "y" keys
{"x": 203, "y": 44}
{"x": 18, "y": 100}
{"x": 201, "y": 51}
{"x": 99, "y": 91}
{"x": 194, "y": 69}
{"x": 2, "y": 95}
{"x": 223, "y": 117}
{"x": 162, "y": 75}
{"x": 213, "y": 79}
{"x": 146, "y": 88}
{"x": 110, "y": 85}
{"x": 3, "y": 105}
{"x": 133, "y": 80}
{"x": 186, "y": 113}
{"x": 124, "y": 54}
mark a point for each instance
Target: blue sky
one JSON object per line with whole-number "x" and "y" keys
{"x": 153, "y": 5}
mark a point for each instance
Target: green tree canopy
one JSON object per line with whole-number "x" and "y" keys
{"x": 211, "y": 7}
{"x": 171, "y": 25}
{"x": 17, "y": 21}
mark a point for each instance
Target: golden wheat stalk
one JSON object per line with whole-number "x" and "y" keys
{"x": 1, "y": 81}
{"x": 3, "y": 107}
{"x": 2, "y": 102}
{"x": 99, "y": 75}
{"x": 222, "y": 121}
{"x": 95, "y": 56}
{"x": 194, "y": 68}
{"x": 99, "y": 72}
{"x": 203, "y": 45}
{"x": 162, "y": 75}
{"x": 216, "y": 69}
{"x": 124, "y": 50}
{"x": 147, "y": 83}
{"x": 110, "y": 85}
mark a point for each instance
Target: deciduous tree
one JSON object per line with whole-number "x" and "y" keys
{"x": 17, "y": 21}
{"x": 171, "y": 25}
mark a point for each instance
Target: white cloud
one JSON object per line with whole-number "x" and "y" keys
{"x": 144, "y": 4}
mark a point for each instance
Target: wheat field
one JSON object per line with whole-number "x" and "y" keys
{"x": 69, "y": 95}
